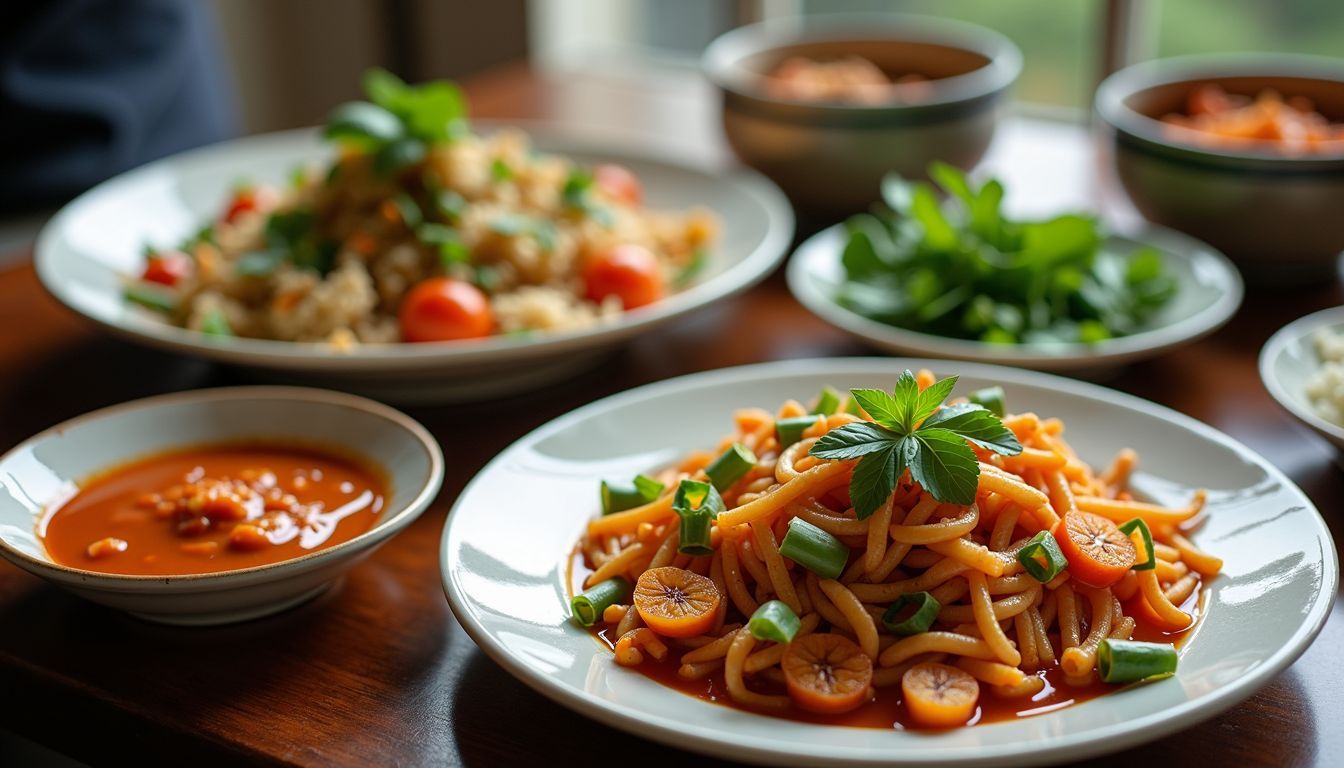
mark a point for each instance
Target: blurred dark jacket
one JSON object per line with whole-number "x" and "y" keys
{"x": 90, "y": 88}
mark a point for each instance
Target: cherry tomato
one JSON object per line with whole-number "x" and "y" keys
{"x": 440, "y": 309}
{"x": 628, "y": 272}
{"x": 249, "y": 199}
{"x": 167, "y": 268}
{"x": 619, "y": 183}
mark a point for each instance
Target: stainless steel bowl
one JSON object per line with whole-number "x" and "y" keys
{"x": 1277, "y": 216}
{"x": 828, "y": 157}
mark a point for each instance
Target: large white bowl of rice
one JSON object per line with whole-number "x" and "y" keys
{"x": 484, "y": 261}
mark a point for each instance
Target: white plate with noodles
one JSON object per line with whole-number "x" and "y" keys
{"x": 307, "y": 274}
{"x": 1250, "y": 615}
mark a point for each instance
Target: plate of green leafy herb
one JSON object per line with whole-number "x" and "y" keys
{"x": 941, "y": 270}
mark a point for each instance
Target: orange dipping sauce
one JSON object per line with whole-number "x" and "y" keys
{"x": 212, "y": 508}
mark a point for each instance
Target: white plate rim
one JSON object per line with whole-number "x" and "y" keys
{"x": 1105, "y": 740}
{"x": 1146, "y": 343}
{"x": 751, "y": 269}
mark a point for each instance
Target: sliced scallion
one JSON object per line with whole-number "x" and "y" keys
{"x": 989, "y": 397}
{"x": 814, "y": 549}
{"x": 1124, "y": 661}
{"x": 216, "y": 324}
{"x": 926, "y": 608}
{"x": 1042, "y": 558}
{"x": 774, "y": 621}
{"x": 852, "y": 407}
{"x": 1138, "y": 532}
{"x": 587, "y": 608}
{"x": 731, "y": 466}
{"x": 149, "y": 297}
{"x": 790, "y": 430}
{"x": 697, "y": 504}
{"x": 828, "y": 401}
{"x": 618, "y": 497}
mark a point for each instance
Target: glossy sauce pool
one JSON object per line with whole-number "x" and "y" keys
{"x": 886, "y": 710}
{"x": 212, "y": 508}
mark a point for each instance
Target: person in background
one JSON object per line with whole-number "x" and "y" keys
{"x": 91, "y": 88}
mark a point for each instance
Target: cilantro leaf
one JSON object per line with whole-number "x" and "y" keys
{"x": 876, "y": 476}
{"x": 852, "y": 441}
{"x": 944, "y": 465}
{"x": 978, "y": 425}
{"x": 885, "y": 409}
{"x": 911, "y": 431}
{"x": 931, "y": 398}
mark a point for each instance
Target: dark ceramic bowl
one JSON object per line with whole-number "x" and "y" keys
{"x": 829, "y": 157}
{"x": 1278, "y": 216}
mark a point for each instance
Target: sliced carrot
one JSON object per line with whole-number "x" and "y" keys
{"x": 939, "y": 696}
{"x": 675, "y": 602}
{"x": 827, "y": 673}
{"x": 1099, "y": 554}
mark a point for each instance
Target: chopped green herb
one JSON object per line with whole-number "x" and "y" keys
{"x": 618, "y": 497}
{"x": 500, "y": 170}
{"x": 790, "y": 430}
{"x": 259, "y": 263}
{"x": 687, "y": 274}
{"x": 828, "y": 402}
{"x": 450, "y": 204}
{"x": 408, "y": 210}
{"x": 910, "y": 431}
{"x": 774, "y": 621}
{"x": 511, "y": 225}
{"x": 729, "y": 467}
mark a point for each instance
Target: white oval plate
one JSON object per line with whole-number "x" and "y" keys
{"x": 508, "y": 538}
{"x": 86, "y": 252}
{"x": 1210, "y": 292}
{"x": 1289, "y": 359}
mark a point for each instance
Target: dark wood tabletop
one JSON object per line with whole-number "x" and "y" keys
{"x": 378, "y": 672}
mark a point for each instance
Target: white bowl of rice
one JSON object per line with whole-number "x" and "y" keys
{"x": 542, "y": 329}
{"x": 1302, "y": 366}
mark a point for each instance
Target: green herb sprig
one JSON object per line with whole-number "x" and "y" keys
{"x": 909, "y": 431}
{"x": 400, "y": 122}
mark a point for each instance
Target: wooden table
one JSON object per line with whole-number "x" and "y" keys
{"x": 378, "y": 671}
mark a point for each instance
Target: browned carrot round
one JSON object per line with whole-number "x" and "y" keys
{"x": 939, "y": 696}
{"x": 675, "y": 602}
{"x": 827, "y": 673}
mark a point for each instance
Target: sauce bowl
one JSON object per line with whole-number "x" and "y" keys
{"x": 46, "y": 468}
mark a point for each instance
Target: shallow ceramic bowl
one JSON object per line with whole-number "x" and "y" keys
{"x": 92, "y": 246}
{"x": 1289, "y": 359}
{"x": 1275, "y": 215}
{"x": 46, "y": 466}
{"x": 830, "y": 157}
{"x": 509, "y": 538}
{"x": 1210, "y": 292}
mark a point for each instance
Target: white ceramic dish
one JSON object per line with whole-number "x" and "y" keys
{"x": 1210, "y": 292}
{"x": 48, "y": 465}
{"x": 1289, "y": 359}
{"x": 86, "y": 252}
{"x": 509, "y": 590}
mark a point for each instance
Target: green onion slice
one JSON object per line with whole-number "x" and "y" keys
{"x": 814, "y": 549}
{"x": 1042, "y": 558}
{"x": 852, "y": 407}
{"x": 828, "y": 401}
{"x": 1124, "y": 661}
{"x": 216, "y": 324}
{"x": 1138, "y": 532}
{"x": 790, "y": 430}
{"x": 697, "y": 504}
{"x": 587, "y": 607}
{"x": 989, "y": 397}
{"x": 618, "y": 497}
{"x": 149, "y": 297}
{"x": 926, "y": 611}
{"x": 731, "y": 466}
{"x": 774, "y": 621}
